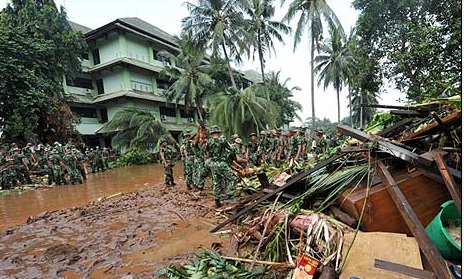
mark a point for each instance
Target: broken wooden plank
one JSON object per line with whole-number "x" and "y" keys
{"x": 404, "y": 269}
{"x": 284, "y": 195}
{"x": 394, "y": 127}
{"x": 409, "y": 113}
{"x": 449, "y": 180}
{"x": 290, "y": 182}
{"x": 426, "y": 245}
{"x": 386, "y": 146}
{"x": 262, "y": 177}
{"x": 396, "y": 107}
{"x": 448, "y": 121}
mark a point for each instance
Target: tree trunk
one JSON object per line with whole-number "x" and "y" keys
{"x": 349, "y": 103}
{"x": 231, "y": 75}
{"x": 200, "y": 112}
{"x": 261, "y": 59}
{"x": 361, "y": 112}
{"x": 338, "y": 105}
{"x": 313, "y": 109}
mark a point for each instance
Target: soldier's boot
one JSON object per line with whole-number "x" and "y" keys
{"x": 217, "y": 203}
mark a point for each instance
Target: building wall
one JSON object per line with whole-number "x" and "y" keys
{"x": 109, "y": 49}
{"x": 113, "y": 81}
{"x": 137, "y": 49}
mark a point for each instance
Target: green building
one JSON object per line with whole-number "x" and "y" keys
{"x": 122, "y": 70}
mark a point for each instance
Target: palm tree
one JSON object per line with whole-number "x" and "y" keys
{"x": 281, "y": 94}
{"x": 136, "y": 129}
{"x": 362, "y": 112}
{"x": 218, "y": 25}
{"x": 335, "y": 62}
{"x": 312, "y": 13}
{"x": 189, "y": 71}
{"x": 263, "y": 29}
{"x": 243, "y": 111}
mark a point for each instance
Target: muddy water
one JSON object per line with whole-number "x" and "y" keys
{"x": 15, "y": 208}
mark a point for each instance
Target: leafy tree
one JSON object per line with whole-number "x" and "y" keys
{"x": 281, "y": 94}
{"x": 218, "y": 25}
{"x": 136, "y": 129}
{"x": 312, "y": 12}
{"x": 190, "y": 75}
{"x": 263, "y": 29}
{"x": 38, "y": 49}
{"x": 242, "y": 111}
{"x": 335, "y": 63}
{"x": 325, "y": 125}
{"x": 417, "y": 44}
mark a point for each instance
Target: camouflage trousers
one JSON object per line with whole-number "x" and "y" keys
{"x": 168, "y": 174}
{"x": 200, "y": 172}
{"x": 222, "y": 178}
{"x": 188, "y": 166}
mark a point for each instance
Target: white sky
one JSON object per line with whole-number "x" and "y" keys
{"x": 167, "y": 15}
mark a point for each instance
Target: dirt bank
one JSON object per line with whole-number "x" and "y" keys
{"x": 125, "y": 236}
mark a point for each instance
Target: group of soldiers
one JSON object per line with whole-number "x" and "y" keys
{"x": 210, "y": 154}
{"x": 62, "y": 164}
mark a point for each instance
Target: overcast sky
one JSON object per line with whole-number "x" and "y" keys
{"x": 167, "y": 15}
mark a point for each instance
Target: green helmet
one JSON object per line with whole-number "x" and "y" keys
{"x": 187, "y": 133}
{"x": 238, "y": 140}
{"x": 214, "y": 129}
{"x": 263, "y": 133}
{"x": 234, "y": 136}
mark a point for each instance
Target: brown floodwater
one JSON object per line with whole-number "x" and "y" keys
{"x": 15, "y": 207}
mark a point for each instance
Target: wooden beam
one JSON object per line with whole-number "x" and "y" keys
{"x": 289, "y": 183}
{"x": 426, "y": 245}
{"x": 386, "y": 146}
{"x": 394, "y": 127}
{"x": 404, "y": 269}
{"x": 409, "y": 113}
{"x": 449, "y": 180}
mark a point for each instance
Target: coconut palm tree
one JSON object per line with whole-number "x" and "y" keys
{"x": 312, "y": 12}
{"x": 243, "y": 111}
{"x": 335, "y": 62}
{"x": 280, "y": 93}
{"x": 263, "y": 29}
{"x": 189, "y": 70}
{"x": 362, "y": 112}
{"x": 136, "y": 129}
{"x": 218, "y": 25}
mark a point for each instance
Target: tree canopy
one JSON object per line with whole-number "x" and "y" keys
{"x": 39, "y": 48}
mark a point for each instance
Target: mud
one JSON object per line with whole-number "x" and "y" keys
{"x": 124, "y": 236}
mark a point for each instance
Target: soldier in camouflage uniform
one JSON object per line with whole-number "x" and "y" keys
{"x": 200, "y": 171}
{"x": 188, "y": 161}
{"x": 21, "y": 166}
{"x": 294, "y": 144}
{"x": 167, "y": 159}
{"x": 252, "y": 150}
{"x": 105, "y": 157}
{"x": 70, "y": 162}
{"x": 6, "y": 171}
{"x": 55, "y": 162}
{"x": 80, "y": 162}
{"x": 218, "y": 150}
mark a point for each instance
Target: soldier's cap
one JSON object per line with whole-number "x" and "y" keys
{"x": 56, "y": 143}
{"x": 29, "y": 144}
{"x": 15, "y": 149}
{"x": 238, "y": 140}
{"x": 253, "y": 134}
{"x": 187, "y": 133}
{"x": 54, "y": 150}
{"x": 163, "y": 140}
{"x": 234, "y": 136}
{"x": 272, "y": 131}
{"x": 214, "y": 129}
{"x": 293, "y": 129}
{"x": 263, "y": 133}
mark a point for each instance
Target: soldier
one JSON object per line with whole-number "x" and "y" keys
{"x": 70, "y": 162}
{"x": 294, "y": 146}
{"x": 105, "y": 156}
{"x": 56, "y": 164}
{"x": 98, "y": 160}
{"x": 167, "y": 159}
{"x": 217, "y": 150}
{"x": 21, "y": 166}
{"x": 186, "y": 151}
{"x": 200, "y": 171}
{"x": 80, "y": 162}
{"x": 251, "y": 153}
{"x": 239, "y": 155}
{"x": 6, "y": 171}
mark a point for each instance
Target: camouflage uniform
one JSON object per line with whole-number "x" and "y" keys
{"x": 21, "y": 168}
{"x": 71, "y": 167}
{"x": 252, "y": 150}
{"x": 188, "y": 159}
{"x": 221, "y": 174}
{"x": 7, "y": 171}
{"x": 200, "y": 171}
{"x": 55, "y": 163}
{"x": 167, "y": 152}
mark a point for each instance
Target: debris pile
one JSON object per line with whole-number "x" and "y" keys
{"x": 383, "y": 186}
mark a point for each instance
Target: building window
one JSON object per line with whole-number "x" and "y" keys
{"x": 84, "y": 112}
{"x": 103, "y": 115}
{"x": 184, "y": 114}
{"x": 100, "y": 88}
{"x": 80, "y": 82}
{"x": 163, "y": 84}
{"x": 96, "y": 56}
{"x": 85, "y": 56}
{"x": 171, "y": 112}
